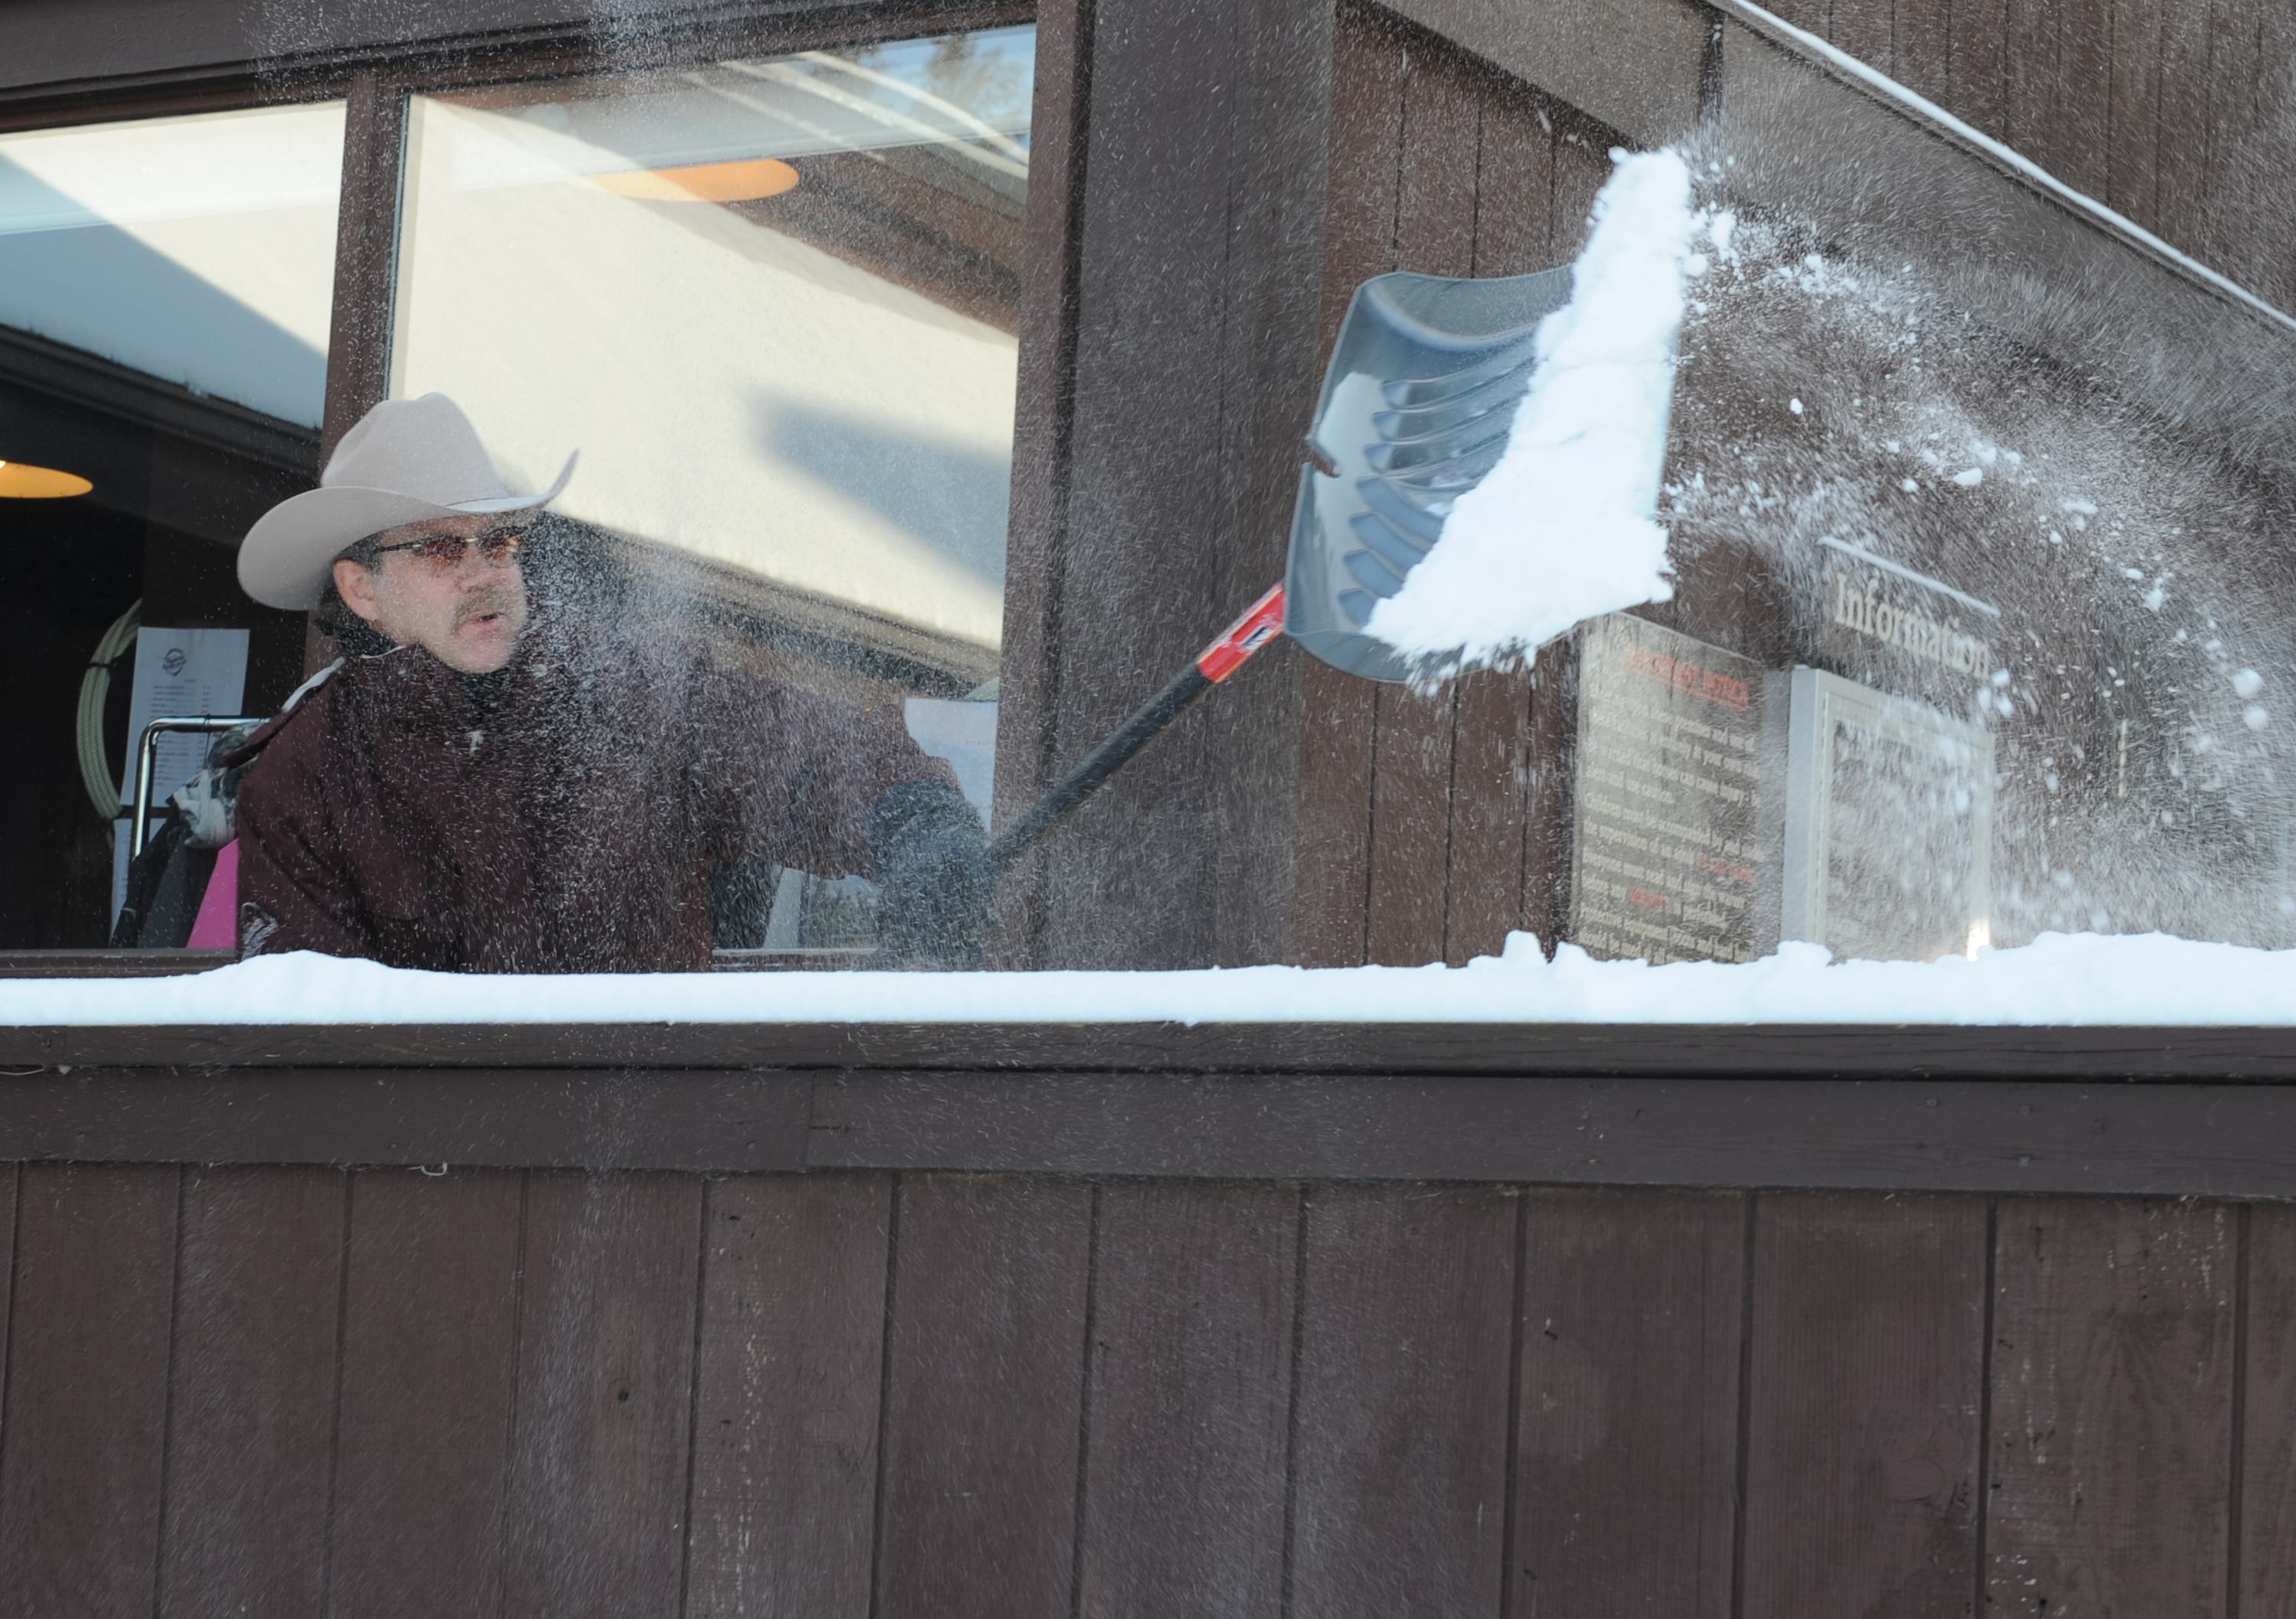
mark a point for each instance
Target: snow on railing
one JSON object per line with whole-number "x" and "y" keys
{"x": 2122, "y": 980}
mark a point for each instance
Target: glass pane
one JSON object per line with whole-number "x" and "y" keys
{"x": 164, "y": 287}
{"x": 774, "y": 306}
{"x": 195, "y": 251}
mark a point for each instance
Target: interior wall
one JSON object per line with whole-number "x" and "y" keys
{"x": 151, "y": 530}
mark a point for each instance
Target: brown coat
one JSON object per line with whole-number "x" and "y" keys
{"x": 571, "y": 827}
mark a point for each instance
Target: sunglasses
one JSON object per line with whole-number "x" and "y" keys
{"x": 498, "y": 547}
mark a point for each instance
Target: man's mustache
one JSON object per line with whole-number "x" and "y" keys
{"x": 492, "y": 600}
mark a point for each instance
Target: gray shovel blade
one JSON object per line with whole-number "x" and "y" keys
{"x": 1417, "y": 400}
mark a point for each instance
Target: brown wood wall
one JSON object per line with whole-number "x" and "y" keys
{"x": 302, "y": 1391}
{"x": 1428, "y": 824}
{"x": 1428, "y": 828}
{"x": 2177, "y": 113}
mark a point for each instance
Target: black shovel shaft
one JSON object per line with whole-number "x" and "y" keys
{"x": 1146, "y": 724}
{"x": 1262, "y": 624}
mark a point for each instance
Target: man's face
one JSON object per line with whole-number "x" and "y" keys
{"x": 466, "y": 613}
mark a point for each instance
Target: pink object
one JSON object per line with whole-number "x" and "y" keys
{"x": 216, "y": 926}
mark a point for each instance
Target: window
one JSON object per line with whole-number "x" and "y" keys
{"x": 165, "y": 289}
{"x": 774, "y": 305}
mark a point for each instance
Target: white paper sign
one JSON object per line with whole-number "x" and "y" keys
{"x": 181, "y": 674}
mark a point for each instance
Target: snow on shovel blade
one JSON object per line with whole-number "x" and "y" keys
{"x": 1417, "y": 400}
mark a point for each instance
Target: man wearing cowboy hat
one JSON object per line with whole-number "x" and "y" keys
{"x": 485, "y": 783}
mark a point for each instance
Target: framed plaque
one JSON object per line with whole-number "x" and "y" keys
{"x": 1673, "y": 851}
{"x": 1889, "y": 825}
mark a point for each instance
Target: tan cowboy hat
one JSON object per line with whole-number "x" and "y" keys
{"x": 407, "y": 461}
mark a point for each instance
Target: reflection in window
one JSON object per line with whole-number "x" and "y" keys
{"x": 164, "y": 288}
{"x": 774, "y": 303}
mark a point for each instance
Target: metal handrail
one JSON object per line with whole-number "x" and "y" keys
{"x": 147, "y": 748}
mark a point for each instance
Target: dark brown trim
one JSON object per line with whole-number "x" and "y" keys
{"x": 1028, "y": 686}
{"x": 2132, "y": 1139}
{"x": 225, "y": 67}
{"x": 123, "y": 100}
{"x": 110, "y": 964}
{"x": 2153, "y": 1140}
{"x": 366, "y": 255}
{"x": 1798, "y": 1051}
{"x": 674, "y": 41}
{"x": 693, "y": 1120}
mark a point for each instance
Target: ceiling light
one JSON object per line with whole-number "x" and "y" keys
{"x": 19, "y": 481}
{"x": 744, "y": 181}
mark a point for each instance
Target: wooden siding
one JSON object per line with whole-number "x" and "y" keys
{"x": 2176, "y": 113}
{"x": 1427, "y": 824}
{"x": 927, "y": 1395}
{"x": 1161, "y": 506}
{"x": 1428, "y": 828}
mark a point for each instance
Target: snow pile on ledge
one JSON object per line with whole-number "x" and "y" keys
{"x": 1561, "y": 530}
{"x": 2060, "y": 978}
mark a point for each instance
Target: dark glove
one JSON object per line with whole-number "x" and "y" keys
{"x": 936, "y": 892}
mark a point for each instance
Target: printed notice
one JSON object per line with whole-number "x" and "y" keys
{"x": 191, "y": 674}
{"x": 1670, "y": 856}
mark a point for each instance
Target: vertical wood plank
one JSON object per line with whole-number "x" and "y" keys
{"x": 1281, "y": 63}
{"x": 1491, "y": 761}
{"x": 2267, "y": 1482}
{"x": 1514, "y": 181}
{"x": 605, "y": 1388}
{"x": 2181, "y": 165}
{"x": 2132, "y": 145}
{"x": 2081, "y": 137}
{"x": 1977, "y": 40}
{"x": 2028, "y": 72}
{"x": 1810, "y": 15}
{"x": 1411, "y": 771}
{"x": 430, "y": 1305}
{"x": 80, "y": 1482}
{"x": 1196, "y": 307}
{"x": 1866, "y": 1353}
{"x": 2246, "y": 161}
{"x": 1191, "y": 1387}
{"x": 366, "y": 240}
{"x": 1482, "y": 884}
{"x": 1028, "y": 669}
{"x": 983, "y": 1396}
{"x": 251, "y": 1425}
{"x": 1410, "y": 826}
{"x": 1546, "y": 815}
{"x": 1407, "y": 1332}
{"x": 2272, "y": 252}
{"x": 11, "y": 1198}
{"x": 1582, "y": 167}
{"x": 1921, "y": 37}
{"x": 1862, "y": 28}
{"x": 1330, "y": 889}
{"x": 785, "y": 1416}
{"x": 2113, "y": 1397}
{"x": 1626, "y": 1457}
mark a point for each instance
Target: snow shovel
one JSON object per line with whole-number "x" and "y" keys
{"x": 1417, "y": 400}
